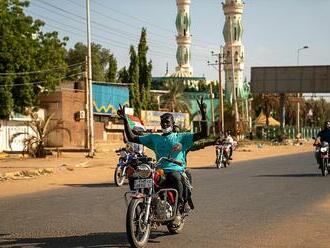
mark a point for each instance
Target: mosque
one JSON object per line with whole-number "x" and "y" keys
{"x": 233, "y": 52}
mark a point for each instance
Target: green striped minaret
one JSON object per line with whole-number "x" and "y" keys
{"x": 233, "y": 49}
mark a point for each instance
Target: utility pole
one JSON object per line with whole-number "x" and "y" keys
{"x": 90, "y": 85}
{"x": 87, "y": 104}
{"x": 221, "y": 109}
{"x": 220, "y": 62}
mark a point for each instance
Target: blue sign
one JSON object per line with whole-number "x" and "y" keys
{"x": 108, "y": 96}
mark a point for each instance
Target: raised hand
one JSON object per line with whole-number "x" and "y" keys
{"x": 121, "y": 112}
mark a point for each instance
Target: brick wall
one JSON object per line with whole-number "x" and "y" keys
{"x": 65, "y": 104}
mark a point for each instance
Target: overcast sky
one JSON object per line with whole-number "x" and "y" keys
{"x": 273, "y": 30}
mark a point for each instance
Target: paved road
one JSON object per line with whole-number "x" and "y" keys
{"x": 261, "y": 203}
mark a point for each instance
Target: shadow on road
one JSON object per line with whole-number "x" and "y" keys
{"x": 292, "y": 175}
{"x": 93, "y": 185}
{"x": 203, "y": 168}
{"x": 90, "y": 240}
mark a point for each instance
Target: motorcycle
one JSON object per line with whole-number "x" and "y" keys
{"x": 125, "y": 166}
{"x": 322, "y": 150}
{"x": 151, "y": 204}
{"x": 222, "y": 154}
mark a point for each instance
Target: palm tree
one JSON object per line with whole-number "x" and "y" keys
{"x": 175, "y": 100}
{"x": 34, "y": 144}
{"x": 267, "y": 103}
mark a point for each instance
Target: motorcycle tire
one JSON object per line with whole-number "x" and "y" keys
{"x": 119, "y": 177}
{"x": 217, "y": 163}
{"x": 137, "y": 232}
{"x": 324, "y": 167}
{"x": 175, "y": 229}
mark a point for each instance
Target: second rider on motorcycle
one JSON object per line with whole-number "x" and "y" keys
{"x": 162, "y": 145}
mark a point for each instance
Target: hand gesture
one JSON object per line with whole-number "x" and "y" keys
{"x": 121, "y": 112}
{"x": 202, "y": 107}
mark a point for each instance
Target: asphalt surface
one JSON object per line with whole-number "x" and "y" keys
{"x": 235, "y": 207}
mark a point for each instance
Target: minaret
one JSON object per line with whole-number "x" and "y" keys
{"x": 233, "y": 49}
{"x": 183, "y": 39}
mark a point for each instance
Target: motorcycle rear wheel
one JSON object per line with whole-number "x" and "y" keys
{"x": 119, "y": 177}
{"x": 324, "y": 167}
{"x": 137, "y": 232}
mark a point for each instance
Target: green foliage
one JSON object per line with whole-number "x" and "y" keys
{"x": 24, "y": 48}
{"x": 123, "y": 76}
{"x": 101, "y": 60}
{"x": 140, "y": 76}
{"x": 202, "y": 86}
{"x": 176, "y": 100}
{"x": 111, "y": 75}
{"x": 133, "y": 71}
{"x": 320, "y": 110}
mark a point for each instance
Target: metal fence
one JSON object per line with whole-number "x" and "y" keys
{"x": 271, "y": 133}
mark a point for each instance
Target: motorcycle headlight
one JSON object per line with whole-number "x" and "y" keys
{"x": 143, "y": 171}
{"x": 323, "y": 149}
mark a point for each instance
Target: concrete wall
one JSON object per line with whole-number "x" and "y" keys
{"x": 65, "y": 104}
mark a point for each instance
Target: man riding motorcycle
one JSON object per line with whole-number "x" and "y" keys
{"x": 162, "y": 145}
{"x": 323, "y": 135}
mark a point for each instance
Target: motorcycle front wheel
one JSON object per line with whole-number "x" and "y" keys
{"x": 324, "y": 167}
{"x": 137, "y": 231}
{"x": 219, "y": 161}
{"x": 119, "y": 177}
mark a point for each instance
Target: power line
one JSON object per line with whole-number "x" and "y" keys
{"x": 36, "y": 72}
{"x": 118, "y": 32}
{"x": 151, "y": 24}
{"x": 39, "y": 82}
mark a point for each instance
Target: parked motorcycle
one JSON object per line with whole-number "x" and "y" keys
{"x": 151, "y": 204}
{"x": 322, "y": 150}
{"x": 222, "y": 150}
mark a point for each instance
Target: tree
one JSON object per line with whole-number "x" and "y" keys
{"x": 266, "y": 103}
{"x": 100, "y": 59}
{"x": 140, "y": 76}
{"x": 28, "y": 58}
{"x": 34, "y": 144}
{"x": 111, "y": 75}
{"x": 133, "y": 72}
{"x": 123, "y": 76}
{"x": 175, "y": 100}
{"x": 144, "y": 70}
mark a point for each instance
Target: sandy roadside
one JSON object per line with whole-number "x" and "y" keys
{"x": 75, "y": 169}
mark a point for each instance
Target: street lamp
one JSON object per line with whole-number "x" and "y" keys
{"x": 298, "y": 103}
{"x": 299, "y": 49}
